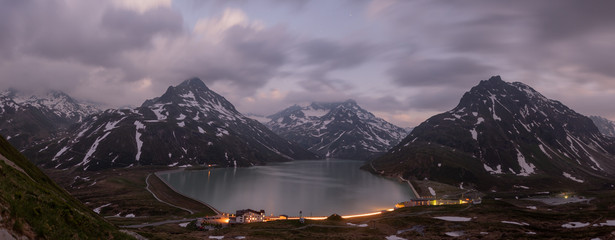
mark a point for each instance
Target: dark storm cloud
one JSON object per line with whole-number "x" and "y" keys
{"x": 571, "y": 19}
{"x": 76, "y": 44}
{"x": 426, "y": 53}
{"x": 61, "y": 44}
{"x": 125, "y": 23}
{"x": 461, "y": 72}
{"x": 97, "y": 42}
{"x": 438, "y": 99}
{"x": 386, "y": 103}
{"x": 564, "y": 42}
{"x": 330, "y": 55}
{"x": 323, "y": 56}
{"x": 268, "y": 47}
{"x": 527, "y": 31}
{"x": 248, "y": 58}
{"x": 295, "y": 5}
{"x": 316, "y": 81}
{"x": 9, "y": 11}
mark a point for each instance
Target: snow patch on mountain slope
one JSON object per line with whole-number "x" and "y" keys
{"x": 92, "y": 150}
{"x": 544, "y": 151}
{"x": 493, "y": 100}
{"x": 526, "y": 168}
{"x": 111, "y": 125}
{"x": 569, "y": 176}
{"x": 498, "y": 169}
{"x": 60, "y": 153}
{"x": 158, "y": 110}
{"x": 474, "y": 134}
{"x": 479, "y": 120}
{"x": 138, "y": 126}
{"x": 221, "y": 132}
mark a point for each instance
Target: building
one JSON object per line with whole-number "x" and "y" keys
{"x": 431, "y": 202}
{"x": 249, "y": 216}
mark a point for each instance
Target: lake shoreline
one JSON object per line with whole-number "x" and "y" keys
{"x": 171, "y": 188}
{"x": 310, "y": 182}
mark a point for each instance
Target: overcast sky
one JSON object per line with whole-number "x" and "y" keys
{"x": 403, "y": 60}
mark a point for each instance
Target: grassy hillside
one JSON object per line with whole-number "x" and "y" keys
{"x": 32, "y": 205}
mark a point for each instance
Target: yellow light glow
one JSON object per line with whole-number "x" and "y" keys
{"x": 316, "y": 218}
{"x": 362, "y": 215}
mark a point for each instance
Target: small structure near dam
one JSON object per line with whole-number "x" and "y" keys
{"x": 429, "y": 201}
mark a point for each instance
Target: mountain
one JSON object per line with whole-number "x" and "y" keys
{"x": 258, "y": 117}
{"x": 606, "y": 127}
{"x": 502, "y": 133}
{"x": 336, "y": 130}
{"x": 32, "y": 206}
{"x": 27, "y": 118}
{"x": 188, "y": 125}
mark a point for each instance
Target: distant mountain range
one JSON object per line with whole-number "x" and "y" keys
{"x": 606, "y": 127}
{"x": 29, "y": 118}
{"x": 502, "y": 134}
{"x": 499, "y": 134}
{"x": 188, "y": 125}
{"x": 336, "y": 130}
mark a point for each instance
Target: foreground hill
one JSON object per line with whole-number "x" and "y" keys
{"x": 188, "y": 125}
{"x": 27, "y": 118}
{"x": 502, "y": 134}
{"x": 337, "y": 130}
{"x": 33, "y": 206}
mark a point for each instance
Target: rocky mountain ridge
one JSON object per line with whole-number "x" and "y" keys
{"x": 27, "y": 118}
{"x": 336, "y": 129}
{"x": 606, "y": 127}
{"x": 188, "y": 125}
{"x": 503, "y": 132}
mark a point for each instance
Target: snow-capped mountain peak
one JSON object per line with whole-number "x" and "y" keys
{"x": 58, "y": 102}
{"x": 188, "y": 125}
{"x": 336, "y": 129}
{"x": 502, "y": 129}
{"x": 27, "y": 118}
{"x": 606, "y": 126}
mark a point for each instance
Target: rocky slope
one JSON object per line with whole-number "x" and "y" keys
{"x": 188, "y": 125}
{"x": 606, "y": 127}
{"x": 32, "y": 206}
{"x": 27, "y": 118}
{"x": 502, "y": 134}
{"x": 337, "y": 130}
